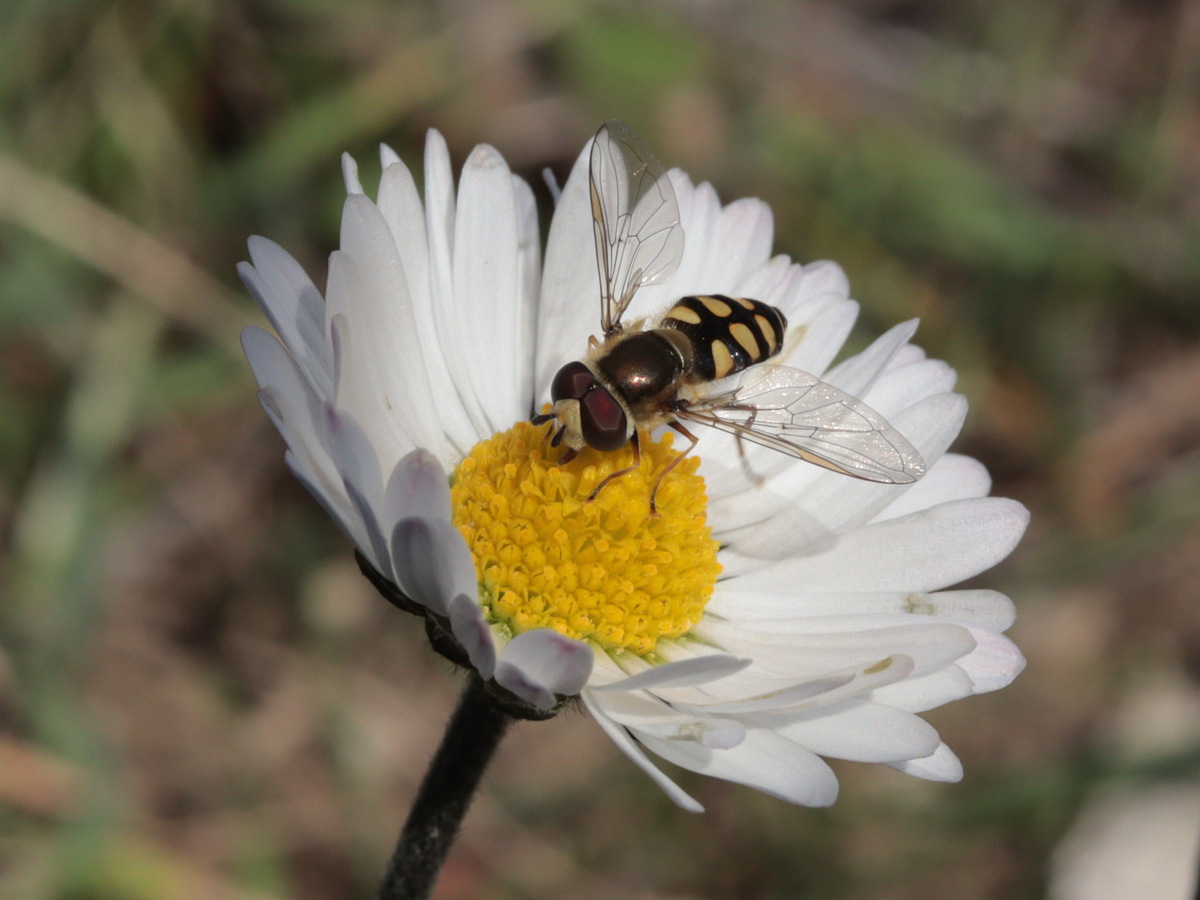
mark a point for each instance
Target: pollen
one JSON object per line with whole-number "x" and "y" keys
{"x": 603, "y": 571}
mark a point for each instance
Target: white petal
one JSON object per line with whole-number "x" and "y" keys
{"x": 823, "y": 690}
{"x": 855, "y": 730}
{"x": 294, "y": 409}
{"x": 821, "y": 339}
{"x": 702, "y": 269}
{"x": 746, "y": 232}
{"x": 569, "y": 310}
{"x": 858, "y": 373}
{"x": 926, "y": 692}
{"x": 982, "y": 608}
{"x": 490, "y": 307}
{"x": 953, "y": 477}
{"x": 931, "y": 424}
{"x": 529, "y": 283}
{"x": 373, "y": 384}
{"x": 472, "y": 632}
{"x": 922, "y": 551}
{"x": 995, "y": 662}
{"x": 783, "y": 528}
{"x": 941, "y": 765}
{"x": 274, "y": 367}
{"x": 902, "y": 387}
{"x": 352, "y": 451}
{"x": 649, "y": 715}
{"x": 621, "y": 738}
{"x": 440, "y": 230}
{"x": 552, "y": 185}
{"x": 402, "y": 210}
{"x": 825, "y": 277}
{"x": 384, "y": 330}
{"x": 715, "y": 734}
{"x": 350, "y": 174}
{"x": 294, "y": 306}
{"x": 339, "y": 345}
{"x": 417, "y": 487}
{"x": 685, "y": 672}
{"x": 432, "y": 562}
{"x": 764, "y": 760}
{"x": 770, "y": 282}
{"x": 536, "y": 665}
{"x": 439, "y": 213}
{"x": 787, "y": 650}
{"x": 908, "y": 355}
{"x": 356, "y": 462}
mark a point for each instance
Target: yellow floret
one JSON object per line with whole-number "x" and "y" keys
{"x": 604, "y": 570}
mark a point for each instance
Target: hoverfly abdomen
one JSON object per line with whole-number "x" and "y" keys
{"x": 728, "y": 334}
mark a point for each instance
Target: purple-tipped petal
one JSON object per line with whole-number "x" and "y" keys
{"x": 472, "y": 632}
{"x": 432, "y": 562}
{"x": 539, "y": 664}
{"x": 417, "y": 488}
{"x": 356, "y": 462}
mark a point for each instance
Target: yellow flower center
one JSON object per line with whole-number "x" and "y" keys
{"x": 604, "y": 570}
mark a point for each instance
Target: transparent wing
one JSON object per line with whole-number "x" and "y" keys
{"x": 798, "y": 414}
{"x": 639, "y": 240}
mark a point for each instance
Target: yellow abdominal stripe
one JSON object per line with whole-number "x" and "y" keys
{"x": 716, "y": 306}
{"x": 604, "y": 570}
{"x": 722, "y": 359}
{"x": 744, "y": 336}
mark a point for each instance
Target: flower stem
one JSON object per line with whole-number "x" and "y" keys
{"x": 471, "y": 738}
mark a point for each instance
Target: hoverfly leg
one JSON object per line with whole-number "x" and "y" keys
{"x": 753, "y": 476}
{"x": 637, "y": 461}
{"x": 673, "y": 463}
{"x": 569, "y": 454}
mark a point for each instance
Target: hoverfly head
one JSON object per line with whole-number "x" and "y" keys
{"x": 586, "y": 411}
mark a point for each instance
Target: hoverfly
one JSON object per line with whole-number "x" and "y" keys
{"x": 676, "y": 367}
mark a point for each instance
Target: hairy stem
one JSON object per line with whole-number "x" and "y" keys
{"x": 471, "y": 738}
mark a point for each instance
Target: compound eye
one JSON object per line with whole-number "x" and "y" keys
{"x": 572, "y": 382}
{"x": 602, "y": 421}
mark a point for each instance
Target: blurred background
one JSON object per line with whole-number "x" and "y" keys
{"x": 199, "y": 695}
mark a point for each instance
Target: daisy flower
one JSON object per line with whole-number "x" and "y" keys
{"x": 750, "y": 629}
